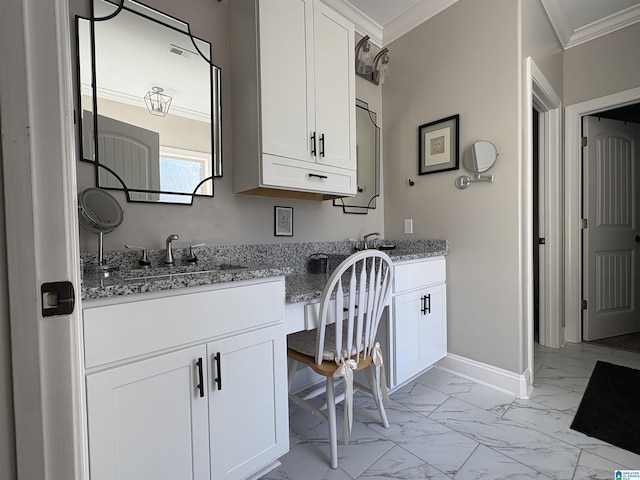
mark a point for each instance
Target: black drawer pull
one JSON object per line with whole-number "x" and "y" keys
{"x": 200, "y": 377}
{"x": 218, "y": 378}
{"x": 313, "y": 144}
{"x": 317, "y": 176}
{"x": 426, "y": 307}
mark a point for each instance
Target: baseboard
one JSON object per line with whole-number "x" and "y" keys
{"x": 503, "y": 380}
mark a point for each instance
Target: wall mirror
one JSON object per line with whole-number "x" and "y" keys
{"x": 480, "y": 157}
{"x": 368, "y": 155}
{"x": 149, "y": 98}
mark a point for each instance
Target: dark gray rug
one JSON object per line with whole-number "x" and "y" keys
{"x": 629, "y": 342}
{"x": 610, "y": 407}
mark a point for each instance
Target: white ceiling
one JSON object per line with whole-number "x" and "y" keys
{"x": 575, "y": 21}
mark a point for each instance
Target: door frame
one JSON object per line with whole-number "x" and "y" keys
{"x": 41, "y": 218}
{"x": 540, "y": 94}
{"x": 573, "y": 202}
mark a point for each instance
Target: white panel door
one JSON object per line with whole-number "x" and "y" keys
{"x": 133, "y": 153}
{"x": 286, "y": 76}
{"x": 248, "y": 402}
{"x": 334, "y": 88}
{"x": 148, "y": 420}
{"x": 611, "y": 204}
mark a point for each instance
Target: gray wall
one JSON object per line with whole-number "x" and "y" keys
{"x": 603, "y": 66}
{"x": 540, "y": 42}
{"x": 464, "y": 60}
{"x": 227, "y": 218}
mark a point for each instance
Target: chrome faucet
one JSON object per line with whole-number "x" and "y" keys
{"x": 366, "y": 239}
{"x": 168, "y": 254}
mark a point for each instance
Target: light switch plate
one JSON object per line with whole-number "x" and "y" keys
{"x": 408, "y": 225}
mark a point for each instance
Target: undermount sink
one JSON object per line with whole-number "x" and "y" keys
{"x": 172, "y": 270}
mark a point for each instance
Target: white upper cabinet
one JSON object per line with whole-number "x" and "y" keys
{"x": 293, "y": 99}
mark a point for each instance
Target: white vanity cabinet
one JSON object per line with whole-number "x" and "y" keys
{"x": 293, "y": 99}
{"x": 418, "y": 322}
{"x": 191, "y": 385}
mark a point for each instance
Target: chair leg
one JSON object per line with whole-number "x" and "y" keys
{"x": 374, "y": 386}
{"x": 333, "y": 432}
{"x": 293, "y": 368}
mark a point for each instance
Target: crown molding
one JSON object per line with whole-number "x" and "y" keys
{"x": 570, "y": 38}
{"x": 413, "y": 17}
{"x": 607, "y": 25}
{"x": 364, "y": 25}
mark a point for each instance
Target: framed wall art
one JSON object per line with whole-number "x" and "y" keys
{"x": 438, "y": 146}
{"x": 283, "y": 221}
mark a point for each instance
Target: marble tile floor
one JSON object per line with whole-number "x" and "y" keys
{"x": 447, "y": 427}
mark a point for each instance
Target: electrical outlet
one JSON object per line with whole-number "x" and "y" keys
{"x": 408, "y": 225}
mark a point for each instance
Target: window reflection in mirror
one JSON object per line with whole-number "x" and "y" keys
{"x": 154, "y": 158}
{"x": 368, "y": 155}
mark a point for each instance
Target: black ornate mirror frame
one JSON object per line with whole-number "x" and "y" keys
{"x": 137, "y": 194}
{"x": 361, "y": 204}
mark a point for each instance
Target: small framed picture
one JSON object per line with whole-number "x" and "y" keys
{"x": 438, "y": 146}
{"x": 283, "y": 221}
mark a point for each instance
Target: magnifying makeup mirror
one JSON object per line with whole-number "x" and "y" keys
{"x": 99, "y": 213}
{"x": 478, "y": 158}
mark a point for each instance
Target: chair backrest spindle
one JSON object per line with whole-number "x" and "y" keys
{"x": 369, "y": 287}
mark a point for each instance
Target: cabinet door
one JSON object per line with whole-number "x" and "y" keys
{"x": 419, "y": 331}
{"x": 286, "y": 77}
{"x": 248, "y": 406}
{"x": 147, "y": 419}
{"x": 434, "y": 345}
{"x": 334, "y": 88}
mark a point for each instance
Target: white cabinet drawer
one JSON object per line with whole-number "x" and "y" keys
{"x": 307, "y": 176}
{"x": 415, "y": 274}
{"x": 123, "y": 330}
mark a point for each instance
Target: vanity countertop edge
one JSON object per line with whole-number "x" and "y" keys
{"x": 299, "y": 287}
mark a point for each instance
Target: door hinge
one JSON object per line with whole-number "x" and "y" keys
{"x": 542, "y": 241}
{"x": 585, "y": 141}
{"x": 583, "y": 223}
{"x": 584, "y": 304}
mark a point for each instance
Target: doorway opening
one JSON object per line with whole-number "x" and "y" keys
{"x": 542, "y": 214}
{"x": 573, "y": 202}
{"x": 535, "y": 121}
{"x": 611, "y": 228}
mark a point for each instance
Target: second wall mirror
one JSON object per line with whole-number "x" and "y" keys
{"x": 149, "y": 102}
{"x": 368, "y": 153}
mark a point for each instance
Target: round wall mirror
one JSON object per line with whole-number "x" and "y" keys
{"x": 480, "y": 157}
{"x": 99, "y": 213}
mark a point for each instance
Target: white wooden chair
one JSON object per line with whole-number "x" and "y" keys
{"x": 354, "y": 299}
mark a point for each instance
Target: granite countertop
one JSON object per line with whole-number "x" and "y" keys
{"x": 303, "y": 287}
{"x": 300, "y": 286}
{"x": 93, "y": 288}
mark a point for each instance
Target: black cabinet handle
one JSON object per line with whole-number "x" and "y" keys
{"x": 317, "y": 176}
{"x": 322, "y": 145}
{"x": 426, "y": 307}
{"x": 313, "y": 144}
{"x": 200, "y": 377}
{"x": 218, "y": 378}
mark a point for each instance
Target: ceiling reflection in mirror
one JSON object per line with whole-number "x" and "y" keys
{"x": 368, "y": 155}
{"x": 164, "y": 150}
